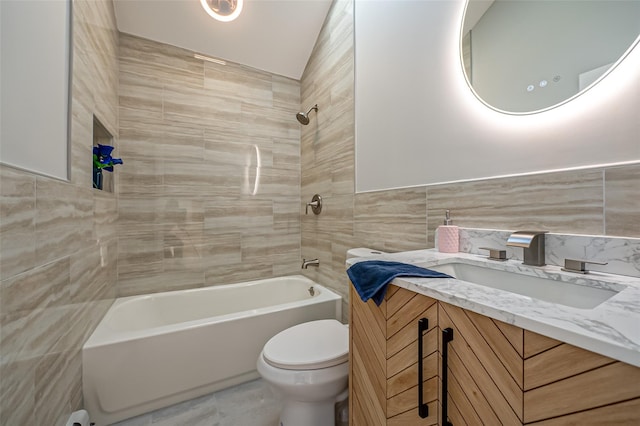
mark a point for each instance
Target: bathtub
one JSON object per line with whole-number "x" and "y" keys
{"x": 155, "y": 350}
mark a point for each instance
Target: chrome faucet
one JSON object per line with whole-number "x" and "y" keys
{"x": 533, "y": 244}
{"x": 312, "y": 262}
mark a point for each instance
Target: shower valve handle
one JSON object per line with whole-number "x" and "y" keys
{"x": 315, "y": 204}
{"x": 312, "y": 204}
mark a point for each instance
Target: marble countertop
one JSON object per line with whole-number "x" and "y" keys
{"x": 611, "y": 329}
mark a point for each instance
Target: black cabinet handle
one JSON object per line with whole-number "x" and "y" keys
{"x": 447, "y": 336}
{"x": 423, "y": 409}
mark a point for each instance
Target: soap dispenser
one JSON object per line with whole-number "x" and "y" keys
{"x": 448, "y": 236}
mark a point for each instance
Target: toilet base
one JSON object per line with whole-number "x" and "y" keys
{"x": 317, "y": 413}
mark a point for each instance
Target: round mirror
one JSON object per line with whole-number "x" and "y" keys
{"x": 526, "y": 56}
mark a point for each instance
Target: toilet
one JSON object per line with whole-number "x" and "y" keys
{"x": 308, "y": 364}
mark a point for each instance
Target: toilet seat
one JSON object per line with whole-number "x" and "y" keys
{"x": 309, "y": 346}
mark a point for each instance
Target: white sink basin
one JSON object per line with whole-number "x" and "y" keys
{"x": 549, "y": 290}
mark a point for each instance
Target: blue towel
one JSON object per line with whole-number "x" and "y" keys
{"x": 371, "y": 277}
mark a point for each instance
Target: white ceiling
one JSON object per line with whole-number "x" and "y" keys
{"x": 271, "y": 35}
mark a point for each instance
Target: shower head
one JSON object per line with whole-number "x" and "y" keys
{"x": 303, "y": 117}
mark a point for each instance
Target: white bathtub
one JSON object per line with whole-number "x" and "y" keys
{"x": 155, "y": 350}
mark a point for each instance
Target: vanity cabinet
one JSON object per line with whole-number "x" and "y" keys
{"x": 496, "y": 373}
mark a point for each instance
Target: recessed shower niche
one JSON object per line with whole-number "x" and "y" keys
{"x": 103, "y": 162}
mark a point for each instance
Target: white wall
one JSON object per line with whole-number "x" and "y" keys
{"x": 34, "y": 88}
{"x": 417, "y": 121}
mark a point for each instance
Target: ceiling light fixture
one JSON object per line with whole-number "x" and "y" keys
{"x": 223, "y": 10}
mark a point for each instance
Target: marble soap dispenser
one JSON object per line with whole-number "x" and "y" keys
{"x": 448, "y": 236}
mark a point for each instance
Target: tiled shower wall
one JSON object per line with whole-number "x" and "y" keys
{"x": 210, "y": 191}
{"x": 327, "y": 149}
{"x": 58, "y": 246}
{"x": 597, "y": 201}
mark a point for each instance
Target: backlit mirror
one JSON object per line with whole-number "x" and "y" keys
{"x": 523, "y": 56}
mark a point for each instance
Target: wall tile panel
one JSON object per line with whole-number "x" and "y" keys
{"x": 17, "y": 221}
{"x": 327, "y": 149}
{"x": 17, "y": 392}
{"x": 216, "y": 208}
{"x": 392, "y": 220}
{"x": 560, "y": 202}
{"x": 622, "y": 205}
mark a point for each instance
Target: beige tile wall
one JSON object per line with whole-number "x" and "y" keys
{"x": 58, "y": 246}
{"x": 622, "y": 201}
{"x": 327, "y": 149}
{"x": 599, "y": 201}
{"x": 211, "y": 191}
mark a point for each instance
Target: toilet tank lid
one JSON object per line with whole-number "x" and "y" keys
{"x": 363, "y": 252}
{"x": 309, "y": 346}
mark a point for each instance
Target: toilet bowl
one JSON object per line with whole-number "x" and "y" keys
{"x": 308, "y": 364}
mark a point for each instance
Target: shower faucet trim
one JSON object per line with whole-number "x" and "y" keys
{"x": 315, "y": 204}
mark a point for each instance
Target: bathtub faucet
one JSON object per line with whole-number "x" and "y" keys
{"x": 313, "y": 262}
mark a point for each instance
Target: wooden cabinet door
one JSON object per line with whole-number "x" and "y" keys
{"x": 566, "y": 385}
{"x": 384, "y": 359}
{"x": 404, "y": 310}
{"x": 502, "y": 374}
{"x": 484, "y": 369}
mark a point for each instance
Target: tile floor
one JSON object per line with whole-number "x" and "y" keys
{"x": 249, "y": 404}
